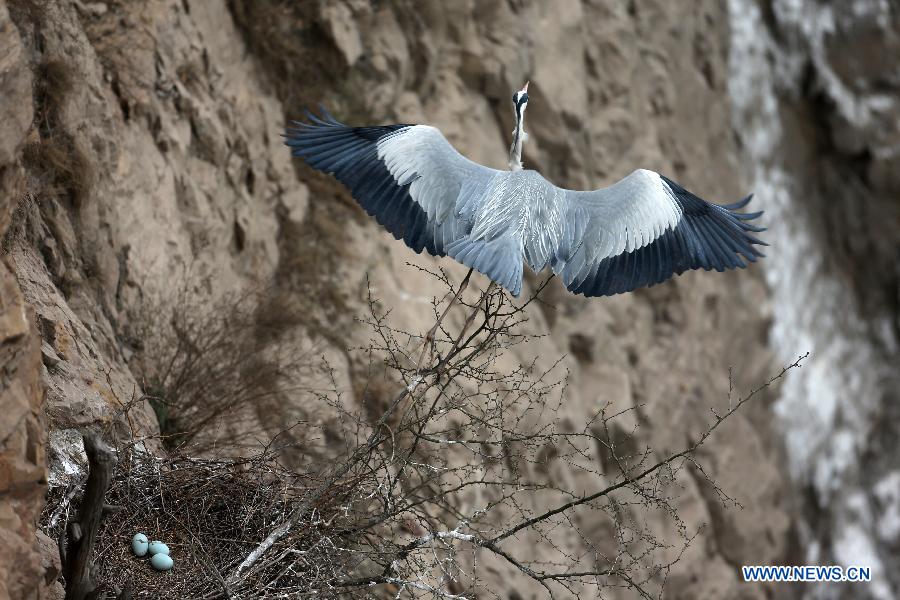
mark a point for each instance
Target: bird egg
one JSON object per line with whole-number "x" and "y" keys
{"x": 161, "y": 562}
{"x": 139, "y": 544}
{"x": 157, "y": 547}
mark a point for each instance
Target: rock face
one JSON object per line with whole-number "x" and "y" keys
{"x": 22, "y": 428}
{"x": 817, "y": 107}
{"x": 153, "y": 163}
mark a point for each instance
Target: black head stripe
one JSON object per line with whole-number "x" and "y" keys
{"x": 520, "y": 102}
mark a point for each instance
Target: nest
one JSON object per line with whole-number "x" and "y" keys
{"x": 211, "y": 513}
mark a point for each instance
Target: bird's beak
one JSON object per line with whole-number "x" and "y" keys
{"x": 525, "y": 89}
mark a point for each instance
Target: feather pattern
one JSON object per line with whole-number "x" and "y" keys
{"x": 637, "y": 232}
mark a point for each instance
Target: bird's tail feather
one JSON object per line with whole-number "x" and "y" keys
{"x": 500, "y": 259}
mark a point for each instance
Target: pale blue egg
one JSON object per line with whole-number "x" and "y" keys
{"x": 157, "y": 547}
{"x": 139, "y": 544}
{"x": 161, "y": 562}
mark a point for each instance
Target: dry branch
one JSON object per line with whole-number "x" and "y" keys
{"x": 82, "y": 533}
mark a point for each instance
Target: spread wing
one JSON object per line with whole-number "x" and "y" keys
{"x": 646, "y": 228}
{"x": 417, "y": 186}
{"x": 637, "y": 232}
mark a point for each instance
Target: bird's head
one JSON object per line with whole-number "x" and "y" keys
{"x": 520, "y": 101}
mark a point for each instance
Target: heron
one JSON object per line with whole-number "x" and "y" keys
{"x": 637, "y": 232}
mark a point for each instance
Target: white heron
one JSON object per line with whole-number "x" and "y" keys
{"x": 638, "y": 232}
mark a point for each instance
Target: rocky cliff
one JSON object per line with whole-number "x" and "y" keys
{"x": 141, "y": 156}
{"x": 22, "y": 428}
{"x": 818, "y": 112}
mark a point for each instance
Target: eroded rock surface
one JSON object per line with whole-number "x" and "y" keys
{"x": 817, "y": 107}
{"x": 22, "y": 426}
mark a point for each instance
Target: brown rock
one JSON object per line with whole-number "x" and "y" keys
{"x": 22, "y": 464}
{"x": 52, "y": 588}
{"x": 15, "y": 89}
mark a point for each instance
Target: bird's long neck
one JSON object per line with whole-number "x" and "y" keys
{"x": 515, "y": 150}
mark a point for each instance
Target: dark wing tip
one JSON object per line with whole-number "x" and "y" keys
{"x": 739, "y": 204}
{"x": 311, "y": 122}
{"x": 350, "y": 154}
{"x": 709, "y": 236}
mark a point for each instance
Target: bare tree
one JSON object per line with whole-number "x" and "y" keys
{"x": 203, "y": 363}
{"x": 441, "y": 480}
{"x": 441, "y": 470}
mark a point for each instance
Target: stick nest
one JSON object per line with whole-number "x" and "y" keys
{"x": 211, "y": 513}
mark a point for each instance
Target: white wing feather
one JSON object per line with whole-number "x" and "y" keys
{"x": 441, "y": 174}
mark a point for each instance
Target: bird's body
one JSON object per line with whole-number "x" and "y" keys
{"x": 637, "y": 232}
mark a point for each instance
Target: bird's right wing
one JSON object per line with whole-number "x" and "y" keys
{"x": 416, "y": 185}
{"x": 408, "y": 177}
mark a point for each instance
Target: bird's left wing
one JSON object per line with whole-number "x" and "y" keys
{"x": 644, "y": 229}
{"x": 408, "y": 177}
